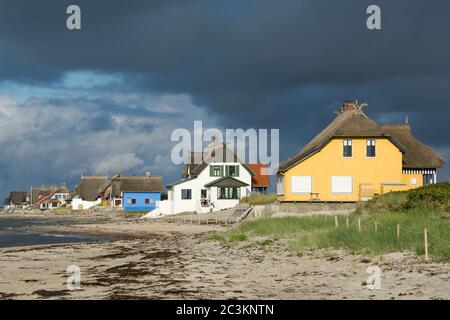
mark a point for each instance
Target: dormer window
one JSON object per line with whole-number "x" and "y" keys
{"x": 232, "y": 171}
{"x": 215, "y": 171}
{"x": 370, "y": 148}
{"x": 347, "y": 148}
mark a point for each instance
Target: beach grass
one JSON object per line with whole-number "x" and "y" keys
{"x": 321, "y": 232}
{"x": 413, "y": 211}
{"x": 259, "y": 198}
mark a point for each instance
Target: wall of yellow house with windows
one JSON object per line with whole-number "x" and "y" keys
{"x": 329, "y": 176}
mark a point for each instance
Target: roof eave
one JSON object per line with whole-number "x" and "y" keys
{"x": 323, "y": 145}
{"x": 212, "y": 183}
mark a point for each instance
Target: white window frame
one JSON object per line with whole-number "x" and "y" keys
{"x": 371, "y": 143}
{"x": 188, "y": 191}
{"x": 301, "y": 181}
{"x": 414, "y": 181}
{"x": 347, "y": 143}
{"x": 214, "y": 170}
{"x": 333, "y": 191}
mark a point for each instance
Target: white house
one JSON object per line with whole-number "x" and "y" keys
{"x": 17, "y": 199}
{"x": 88, "y": 192}
{"x": 61, "y": 194}
{"x": 51, "y": 197}
{"x": 216, "y": 184}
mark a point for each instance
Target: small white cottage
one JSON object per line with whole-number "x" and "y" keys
{"x": 88, "y": 192}
{"x": 215, "y": 184}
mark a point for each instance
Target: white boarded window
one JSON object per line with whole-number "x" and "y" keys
{"x": 301, "y": 184}
{"x": 341, "y": 184}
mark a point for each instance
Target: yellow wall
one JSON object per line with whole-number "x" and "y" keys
{"x": 386, "y": 167}
{"x": 407, "y": 180}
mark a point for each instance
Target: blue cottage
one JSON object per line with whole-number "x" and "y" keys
{"x": 138, "y": 193}
{"x": 140, "y": 200}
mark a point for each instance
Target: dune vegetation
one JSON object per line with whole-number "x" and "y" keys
{"x": 256, "y": 198}
{"x": 371, "y": 229}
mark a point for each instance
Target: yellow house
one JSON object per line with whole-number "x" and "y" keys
{"x": 354, "y": 159}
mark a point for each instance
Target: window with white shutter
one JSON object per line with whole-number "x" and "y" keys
{"x": 301, "y": 184}
{"x": 341, "y": 184}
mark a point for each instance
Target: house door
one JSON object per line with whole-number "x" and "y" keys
{"x": 366, "y": 191}
{"x": 428, "y": 179}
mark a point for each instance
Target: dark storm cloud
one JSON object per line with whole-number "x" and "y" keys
{"x": 228, "y": 45}
{"x": 232, "y": 55}
{"x": 260, "y": 63}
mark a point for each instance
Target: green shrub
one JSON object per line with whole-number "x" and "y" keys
{"x": 435, "y": 197}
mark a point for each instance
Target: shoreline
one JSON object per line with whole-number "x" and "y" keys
{"x": 161, "y": 260}
{"x": 119, "y": 228}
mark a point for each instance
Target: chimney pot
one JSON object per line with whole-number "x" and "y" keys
{"x": 348, "y": 105}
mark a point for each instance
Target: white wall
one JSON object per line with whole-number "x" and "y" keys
{"x": 85, "y": 204}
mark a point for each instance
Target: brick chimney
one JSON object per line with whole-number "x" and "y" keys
{"x": 348, "y": 105}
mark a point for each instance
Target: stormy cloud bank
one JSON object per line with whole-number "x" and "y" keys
{"x": 109, "y": 95}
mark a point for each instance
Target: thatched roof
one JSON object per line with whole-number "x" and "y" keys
{"x": 104, "y": 188}
{"x": 355, "y": 123}
{"x": 39, "y": 192}
{"x": 121, "y": 184}
{"x": 17, "y": 198}
{"x": 71, "y": 196}
{"x": 417, "y": 154}
{"x": 59, "y": 189}
{"x": 89, "y": 187}
{"x": 46, "y": 191}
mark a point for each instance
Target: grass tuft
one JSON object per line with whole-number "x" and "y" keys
{"x": 256, "y": 198}
{"x": 237, "y": 237}
{"x": 215, "y": 237}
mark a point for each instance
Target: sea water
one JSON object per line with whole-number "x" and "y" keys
{"x": 11, "y": 237}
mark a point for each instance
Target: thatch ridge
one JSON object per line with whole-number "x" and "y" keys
{"x": 355, "y": 123}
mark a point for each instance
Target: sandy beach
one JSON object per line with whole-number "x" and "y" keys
{"x": 160, "y": 260}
